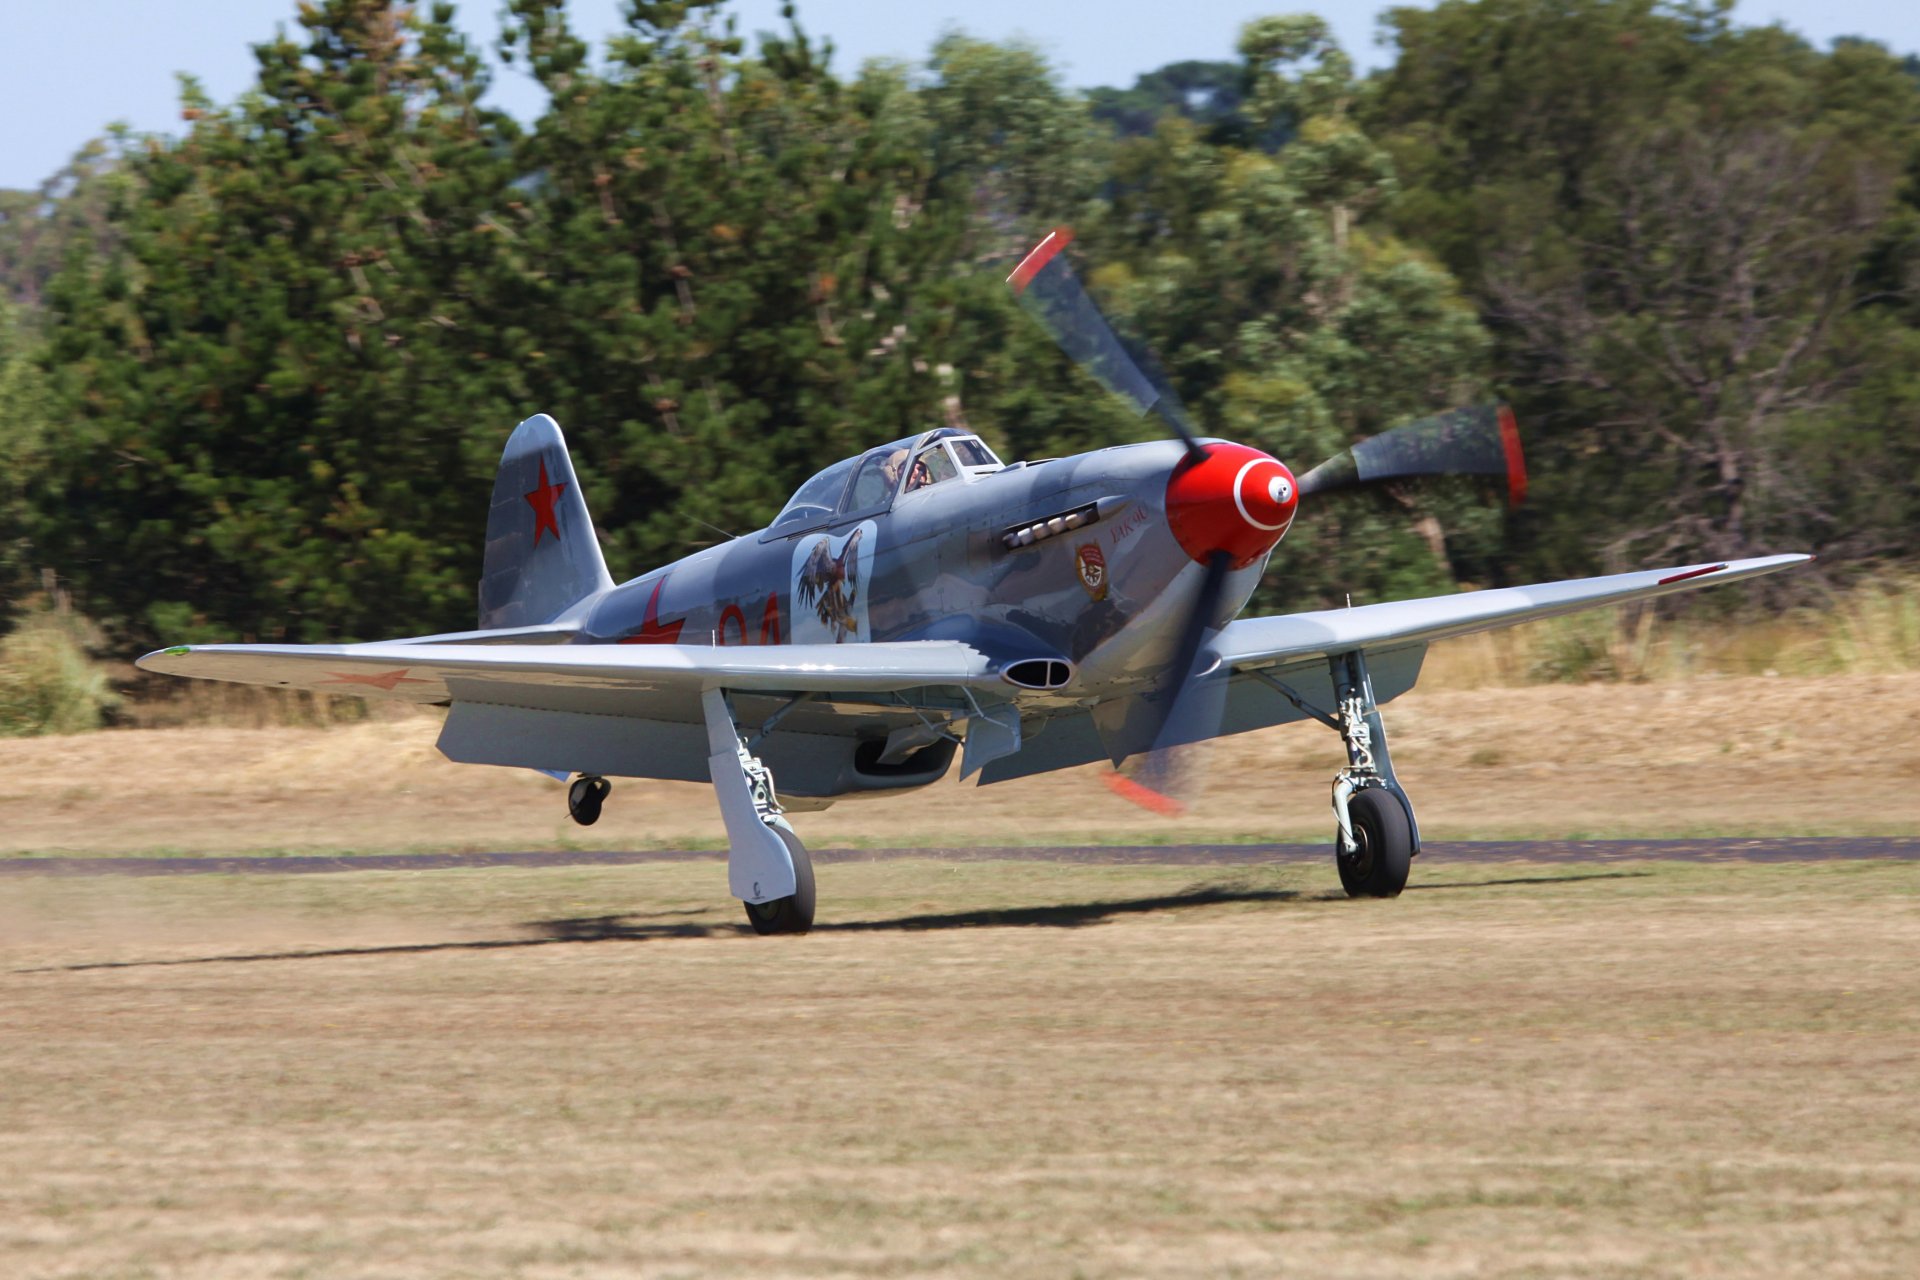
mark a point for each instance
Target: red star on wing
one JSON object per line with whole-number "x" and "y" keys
{"x": 542, "y": 500}
{"x": 387, "y": 680}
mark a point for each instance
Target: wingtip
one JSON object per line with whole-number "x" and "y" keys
{"x": 151, "y": 661}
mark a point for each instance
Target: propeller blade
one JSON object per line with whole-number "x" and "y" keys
{"x": 1481, "y": 441}
{"x": 1192, "y": 702}
{"x": 1052, "y": 294}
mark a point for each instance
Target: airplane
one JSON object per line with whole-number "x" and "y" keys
{"x": 924, "y": 599}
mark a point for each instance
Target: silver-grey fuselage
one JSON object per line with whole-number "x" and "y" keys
{"x": 934, "y": 564}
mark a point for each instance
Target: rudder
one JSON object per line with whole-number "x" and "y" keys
{"x": 542, "y": 556}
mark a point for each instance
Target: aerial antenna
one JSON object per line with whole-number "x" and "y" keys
{"x": 716, "y": 528}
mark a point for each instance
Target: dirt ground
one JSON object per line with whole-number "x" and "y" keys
{"x": 973, "y": 1069}
{"x": 1760, "y": 756}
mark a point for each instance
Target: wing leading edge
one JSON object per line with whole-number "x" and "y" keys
{"x": 1251, "y": 643}
{"x": 418, "y": 672}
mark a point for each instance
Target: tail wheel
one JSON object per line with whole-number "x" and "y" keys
{"x": 794, "y": 913}
{"x": 585, "y": 797}
{"x": 1378, "y": 867}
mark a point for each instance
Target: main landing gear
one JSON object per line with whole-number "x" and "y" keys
{"x": 1375, "y": 835}
{"x": 767, "y": 866}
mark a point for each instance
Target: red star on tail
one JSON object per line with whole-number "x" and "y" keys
{"x": 542, "y": 500}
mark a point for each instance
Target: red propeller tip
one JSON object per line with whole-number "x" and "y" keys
{"x": 1043, "y": 253}
{"x": 1516, "y": 460}
{"x": 1144, "y": 796}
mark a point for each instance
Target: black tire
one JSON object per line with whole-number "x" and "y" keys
{"x": 794, "y": 913}
{"x": 585, "y": 797}
{"x": 1378, "y": 868}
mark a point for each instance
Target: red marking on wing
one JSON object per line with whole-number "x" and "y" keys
{"x": 542, "y": 500}
{"x": 1144, "y": 796}
{"x": 387, "y": 680}
{"x": 1042, "y": 254}
{"x": 1691, "y": 573}
{"x": 1516, "y": 461}
{"x": 652, "y": 630}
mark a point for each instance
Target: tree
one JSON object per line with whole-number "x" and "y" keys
{"x": 1702, "y": 324}
{"x": 1211, "y": 94}
{"x": 23, "y": 435}
{"x": 270, "y": 385}
{"x": 1678, "y": 231}
{"x": 1288, "y": 320}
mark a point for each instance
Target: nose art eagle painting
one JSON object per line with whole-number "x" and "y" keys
{"x": 831, "y": 582}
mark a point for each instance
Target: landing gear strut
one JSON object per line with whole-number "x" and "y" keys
{"x": 584, "y": 798}
{"x": 1375, "y": 836}
{"x": 767, "y": 866}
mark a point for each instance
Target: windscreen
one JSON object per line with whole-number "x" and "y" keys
{"x": 818, "y": 496}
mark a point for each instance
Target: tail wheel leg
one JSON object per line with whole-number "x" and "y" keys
{"x": 584, "y": 798}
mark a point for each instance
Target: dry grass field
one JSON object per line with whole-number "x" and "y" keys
{"x": 1744, "y": 756}
{"x": 974, "y": 1069}
{"x": 977, "y": 1068}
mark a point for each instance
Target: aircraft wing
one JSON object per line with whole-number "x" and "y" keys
{"x": 413, "y": 671}
{"x": 1252, "y": 643}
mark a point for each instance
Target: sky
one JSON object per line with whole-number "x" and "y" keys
{"x": 68, "y": 68}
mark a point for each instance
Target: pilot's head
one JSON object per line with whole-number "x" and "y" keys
{"x": 893, "y": 465}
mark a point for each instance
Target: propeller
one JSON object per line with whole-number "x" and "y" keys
{"x": 1480, "y": 441}
{"x": 1228, "y": 504}
{"x": 1051, "y": 293}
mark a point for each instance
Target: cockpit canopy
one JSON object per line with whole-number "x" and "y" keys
{"x": 870, "y": 481}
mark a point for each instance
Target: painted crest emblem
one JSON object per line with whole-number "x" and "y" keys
{"x": 1093, "y": 569}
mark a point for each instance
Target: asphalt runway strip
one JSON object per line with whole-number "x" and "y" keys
{"x": 1745, "y": 849}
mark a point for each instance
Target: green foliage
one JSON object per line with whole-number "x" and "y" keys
{"x": 270, "y": 385}
{"x": 1693, "y": 247}
{"x": 24, "y": 409}
{"x": 1208, "y": 93}
{"x": 1287, "y": 320}
{"x": 283, "y": 350}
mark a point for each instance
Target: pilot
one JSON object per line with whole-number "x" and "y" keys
{"x": 919, "y": 475}
{"x": 892, "y": 466}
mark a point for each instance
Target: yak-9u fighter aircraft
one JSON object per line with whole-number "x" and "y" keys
{"x": 926, "y": 599}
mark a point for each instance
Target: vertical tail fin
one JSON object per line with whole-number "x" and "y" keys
{"x": 542, "y": 556}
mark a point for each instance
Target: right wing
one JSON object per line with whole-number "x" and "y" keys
{"x": 433, "y": 673}
{"x": 1393, "y": 635}
{"x": 1254, "y": 643}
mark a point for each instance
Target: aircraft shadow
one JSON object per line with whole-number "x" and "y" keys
{"x": 643, "y": 928}
{"x": 647, "y": 927}
{"x": 1491, "y": 884}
